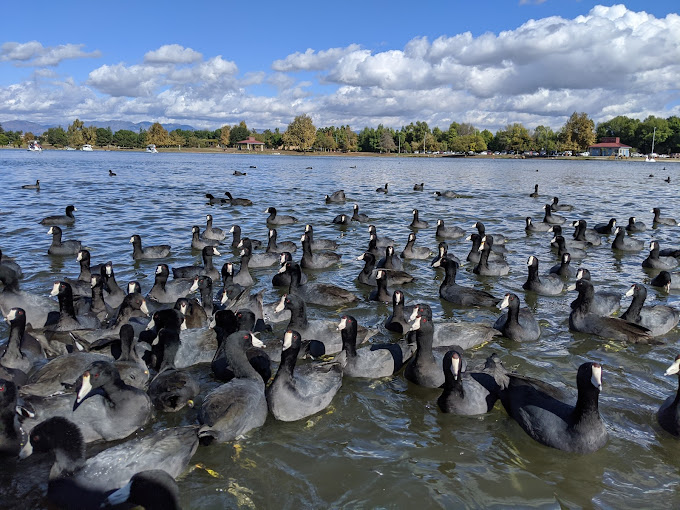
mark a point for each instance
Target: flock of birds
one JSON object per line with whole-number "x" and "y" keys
{"x": 98, "y": 366}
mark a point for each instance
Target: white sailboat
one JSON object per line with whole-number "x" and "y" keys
{"x": 650, "y": 157}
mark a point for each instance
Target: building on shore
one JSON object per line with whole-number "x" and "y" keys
{"x": 610, "y": 146}
{"x": 250, "y": 144}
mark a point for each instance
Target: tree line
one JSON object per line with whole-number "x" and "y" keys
{"x": 577, "y": 134}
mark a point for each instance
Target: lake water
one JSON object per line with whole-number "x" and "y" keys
{"x": 382, "y": 443}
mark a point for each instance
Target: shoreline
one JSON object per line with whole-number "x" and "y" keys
{"x": 209, "y": 150}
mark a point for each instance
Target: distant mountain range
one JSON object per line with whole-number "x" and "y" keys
{"x": 115, "y": 125}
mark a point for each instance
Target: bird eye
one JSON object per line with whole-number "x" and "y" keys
{"x": 96, "y": 375}
{"x": 35, "y": 438}
{"x": 2, "y": 388}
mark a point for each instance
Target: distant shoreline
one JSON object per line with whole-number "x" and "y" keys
{"x": 216, "y": 151}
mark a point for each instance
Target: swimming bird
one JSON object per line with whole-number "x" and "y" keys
{"x": 237, "y": 201}
{"x": 498, "y": 239}
{"x": 164, "y": 291}
{"x": 235, "y": 230}
{"x": 342, "y": 219}
{"x": 470, "y": 393}
{"x": 380, "y": 241}
{"x": 668, "y": 414}
{"x": 635, "y": 226}
{"x": 459, "y": 295}
{"x": 518, "y": 324}
{"x": 381, "y": 293}
{"x": 415, "y": 252}
{"x": 383, "y": 189}
{"x": 486, "y": 267}
{"x": 301, "y": 391}
{"x": 539, "y": 409}
{"x": 658, "y": 319}
{"x": 257, "y": 260}
{"x": 419, "y": 187}
{"x": 556, "y": 206}
{"x": 586, "y": 235}
{"x": 666, "y": 280}
{"x": 550, "y": 285}
{"x": 660, "y": 220}
{"x": 207, "y": 269}
{"x": 422, "y": 369}
{"x": 604, "y": 302}
{"x": 552, "y": 219}
{"x": 210, "y": 232}
{"x": 390, "y": 260}
{"x": 22, "y": 351}
{"x": 582, "y": 320}
{"x": 197, "y": 243}
{"x": 235, "y": 408}
{"x": 59, "y": 247}
{"x": 150, "y": 252}
{"x": 417, "y": 222}
{"x": 318, "y": 260}
{"x": 563, "y": 269}
{"x": 626, "y": 244}
{"x": 448, "y": 232}
{"x": 322, "y": 294}
{"x": 337, "y": 197}
{"x": 279, "y": 219}
{"x": 606, "y": 228}
{"x": 318, "y": 244}
{"x": 357, "y": 216}
{"x": 35, "y": 186}
{"x": 63, "y": 219}
{"x": 367, "y": 274}
{"x": 535, "y": 193}
{"x": 655, "y": 261}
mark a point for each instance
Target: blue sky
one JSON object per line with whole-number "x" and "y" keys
{"x": 489, "y": 63}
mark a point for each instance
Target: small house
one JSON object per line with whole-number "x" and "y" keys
{"x": 250, "y": 143}
{"x": 610, "y": 146}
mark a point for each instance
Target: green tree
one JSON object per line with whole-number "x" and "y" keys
{"x": 623, "y": 127}
{"x": 301, "y": 133}
{"x": 157, "y": 135}
{"x": 104, "y": 136}
{"x": 645, "y": 133}
{"x": 57, "y": 137}
{"x": 224, "y": 135}
{"x": 578, "y": 133}
{"x": 75, "y": 134}
{"x": 239, "y": 133}
{"x": 90, "y": 135}
{"x": 176, "y": 138}
{"x": 387, "y": 142}
{"x": 125, "y": 138}
{"x": 545, "y": 139}
{"x": 4, "y": 140}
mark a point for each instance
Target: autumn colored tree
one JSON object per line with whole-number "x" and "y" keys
{"x": 301, "y": 133}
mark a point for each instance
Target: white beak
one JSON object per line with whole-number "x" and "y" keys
{"x": 85, "y": 388}
{"x": 287, "y": 340}
{"x": 416, "y": 324}
{"x": 55, "y": 289}
{"x": 596, "y": 378}
{"x": 281, "y": 306}
{"x": 674, "y": 368}
{"x": 505, "y": 303}
{"x": 343, "y": 324}
{"x": 256, "y": 341}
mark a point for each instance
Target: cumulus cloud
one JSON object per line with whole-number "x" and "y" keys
{"x": 610, "y": 61}
{"x": 172, "y": 54}
{"x": 34, "y": 54}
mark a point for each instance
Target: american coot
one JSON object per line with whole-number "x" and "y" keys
{"x": 499, "y": 239}
{"x": 443, "y": 252}
{"x": 68, "y": 320}
{"x": 112, "y": 173}
{"x": 357, "y": 216}
{"x": 114, "y": 294}
{"x": 470, "y": 393}
{"x": 22, "y": 351}
{"x": 549, "y": 285}
{"x": 319, "y": 293}
{"x": 213, "y": 200}
{"x": 659, "y": 220}
{"x": 35, "y": 186}
{"x": 367, "y": 274}
{"x": 459, "y": 295}
{"x": 197, "y": 243}
{"x": 562, "y": 248}
{"x": 606, "y": 228}
{"x": 237, "y": 201}
{"x": 563, "y": 269}
{"x": 380, "y": 241}
{"x": 475, "y": 254}
{"x": 234, "y": 408}
{"x": 635, "y": 226}
{"x": 274, "y": 246}
{"x": 11, "y": 432}
{"x": 279, "y": 219}
{"x": 194, "y": 315}
{"x": 583, "y": 321}
{"x": 422, "y": 369}
{"x": 341, "y": 219}
{"x": 556, "y": 206}
{"x": 466, "y": 335}
{"x": 535, "y": 193}
{"x": 448, "y": 232}
{"x": 518, "y": 324}
{"x": 62, "y": 219}
{"x": 337, "y": 197}
{"x": 299, "y": 392}
{"x": 319, "y": 260}
{"x": 449, "y": 193}
{"x": 37, "y": 307}
{"x": 226, "y": 323}
{"x": 656, "y": 261}
{"x": 666, "y": 280}
{"x": 668, "y": 414}
{"x": 383, "y": 189}
{"x": 150, "y": 252}
{"x": 8, "y": 264}
{"x": 59, "y": 247}
{"x": 153, "y": 489}
{"x": 172, "y": 389}
{"x": 417, "y": 222}
{"x": 382, "y": 293}
{"x": 325, "y": 331}
{"x": 204, "y": 285}
{"x": 207, "y": 268}
{"x": 283, "y": 279}
{"x": 419, "y": 187}
{"x": 540, "y": 411}
{"x": 390, "y": 260}
{"x": 210, "y": 232}
{"x": 397, "y": 321}
{"x": 243, "y": 277}
{"x": 235, "y": 230}
{"x": 319, "y": 244}
{"x": 104, "y": 408}
{"x": 164, "y": 291}
{"x": 586, "y": 235}
{"x": 626, "y": 244}
{"x": 415, "y": 252}
{"x": 370, "y": 362}
{"x": 486, "y": 267}
{"x": 85, "y": 483}
{"x": 552, "y": 219}
{"x": 257, "y": 260}
{"x": 604, "y": 302}
{"x": 570, "y": 244}
{"x": 659, "y": 319}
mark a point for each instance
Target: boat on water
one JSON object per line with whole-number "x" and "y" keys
{"x": 650, "y": 157}
{"x": 151, "y": 148}
{"x": 87, "y": 148}
{"x": 69, "y": 149}
{"x": 34, "y": 146}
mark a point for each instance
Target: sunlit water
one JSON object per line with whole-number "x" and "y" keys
{"x": 382, "y": 443}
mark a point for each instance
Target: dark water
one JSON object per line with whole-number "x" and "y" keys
{"x": 382, "y": 443}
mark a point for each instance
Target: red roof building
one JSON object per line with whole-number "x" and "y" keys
{"x": 610, "y": 146}
{"x": 250, "y": 143}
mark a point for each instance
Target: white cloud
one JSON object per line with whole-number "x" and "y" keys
{"x": 172, "y": 54}
{"x": 34, "y": 54}
{"x": 311, "y": 60}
